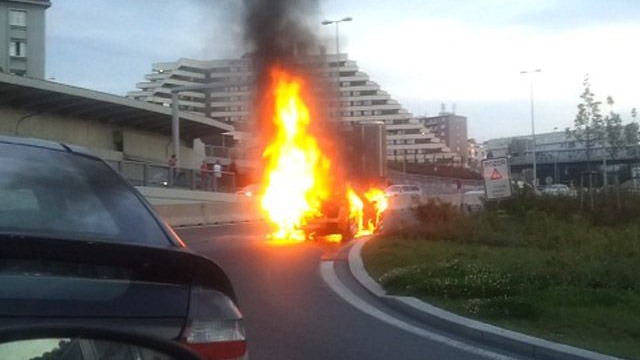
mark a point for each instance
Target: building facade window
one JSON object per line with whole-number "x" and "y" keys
{"x": 17, "y": 18}
{"x": 17, "y": 48}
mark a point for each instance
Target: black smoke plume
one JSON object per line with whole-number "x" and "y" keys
{"x": 277, "y": 30}
{"x": 280, "y": 33}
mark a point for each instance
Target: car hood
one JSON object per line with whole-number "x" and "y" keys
{"x": 42, "y": 277}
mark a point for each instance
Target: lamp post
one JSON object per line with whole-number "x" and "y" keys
{"x": 337, "y": 23}
{"x": 533, "y": 122}
{"x": 175, "y": 110}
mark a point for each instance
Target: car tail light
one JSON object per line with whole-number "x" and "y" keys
{"x": 214, "y": 329}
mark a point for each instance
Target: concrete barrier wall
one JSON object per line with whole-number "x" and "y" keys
{"x": 163, "y": 195}
{"x": 187, "y": 207}
{"x": 209, "y": 213}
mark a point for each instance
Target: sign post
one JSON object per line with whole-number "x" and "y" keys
{"x": 497, "y": 178}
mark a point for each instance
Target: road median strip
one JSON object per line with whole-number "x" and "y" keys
{"x": 476, "y": 330}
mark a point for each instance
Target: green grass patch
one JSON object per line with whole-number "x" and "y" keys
{"x": 563, "y": 277}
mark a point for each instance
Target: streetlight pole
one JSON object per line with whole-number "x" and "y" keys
{"x": 337, "y": 23}
{"x": 533, "y": 122}
{"x": 175, "y": 111}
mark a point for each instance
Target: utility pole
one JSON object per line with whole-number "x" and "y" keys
{"x": 533, "y": 123}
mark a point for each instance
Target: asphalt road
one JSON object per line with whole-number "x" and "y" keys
{"x": 292, "y": 313}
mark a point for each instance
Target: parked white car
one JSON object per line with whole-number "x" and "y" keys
{"x": 408, "y": 190}
{"x": 558, "y": 189}
{"x": 472, "y": 201}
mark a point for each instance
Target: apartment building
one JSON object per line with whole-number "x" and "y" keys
{"x": 452, "y": 129}
{"x": 22, "y": 38}
{"x": 361, "y": 100}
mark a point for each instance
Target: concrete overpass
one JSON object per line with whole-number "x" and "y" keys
{"x": 113, "y": 126}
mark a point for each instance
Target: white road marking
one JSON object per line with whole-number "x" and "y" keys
{"x": 331, "y": 278}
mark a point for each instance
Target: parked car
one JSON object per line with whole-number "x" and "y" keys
{"x": 80, "y": 246}
{"x": 473, "y": 201}
{"x": 395, "y": 190}
{"x": 558, "y": 189}
{"x": 401, "y": 196}
{"x": 250, "y": 190}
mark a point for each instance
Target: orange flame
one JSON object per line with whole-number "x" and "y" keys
{"x": 356, "y": 211}
{"x": 296, "y": 170}
{"x": 297, "y": 173}
{"x": 380, "y": 202}
{"x": 376, "y": 199}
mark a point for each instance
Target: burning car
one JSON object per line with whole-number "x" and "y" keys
{"x": 333, "y": 219}
{"x": 307, "y": 193}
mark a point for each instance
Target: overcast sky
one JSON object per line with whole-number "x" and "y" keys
{"x": 424, "y": 53}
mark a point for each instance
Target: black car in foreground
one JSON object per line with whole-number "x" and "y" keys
{"x": 80, "y": 246}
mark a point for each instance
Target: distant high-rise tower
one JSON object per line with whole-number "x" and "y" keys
{"x": 22, "y": 41}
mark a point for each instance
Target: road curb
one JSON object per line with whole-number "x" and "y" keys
{"x": 473, "y": 329}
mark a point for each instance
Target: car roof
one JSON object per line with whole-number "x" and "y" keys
{"x": 46, "y": 144}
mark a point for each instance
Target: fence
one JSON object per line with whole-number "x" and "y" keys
{"x": 146, "y": 174}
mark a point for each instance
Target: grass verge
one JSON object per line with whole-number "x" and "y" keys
{"x": 565, "y": 278}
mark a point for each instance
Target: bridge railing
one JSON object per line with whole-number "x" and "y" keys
{"x": 155, "y": 175}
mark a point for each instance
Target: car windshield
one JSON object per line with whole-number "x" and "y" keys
{"x": 49, "y": 193}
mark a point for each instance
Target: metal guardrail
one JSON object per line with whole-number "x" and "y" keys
{"x": 436, "y": 184}
{"x": 146, "y": 174}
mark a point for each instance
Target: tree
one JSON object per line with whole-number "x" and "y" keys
{"x": 588, "y": 126}
{"x": 631, "y": 134}
{"x": 613, "y": 140}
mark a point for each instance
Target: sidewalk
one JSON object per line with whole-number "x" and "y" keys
{"x": 509, "y": 340}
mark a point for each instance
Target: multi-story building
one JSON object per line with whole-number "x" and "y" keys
{"x": 476, "y": 153}
{"x": 22, "y": 38}
{"x": 361, "y": 100}
{"x": 452, "y": 129}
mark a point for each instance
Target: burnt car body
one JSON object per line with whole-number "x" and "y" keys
{"x": 79, "y": 245}
{"x": 333, "y": 219}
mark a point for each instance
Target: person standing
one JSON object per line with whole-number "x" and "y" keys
{"x": 217, "y": 175}
{"x": 204, "y": 176}
{"x": 173, "y": 162}
{"x": 233, "y": 169}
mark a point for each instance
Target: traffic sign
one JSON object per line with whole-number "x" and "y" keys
{"x": 497, "y": 181}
